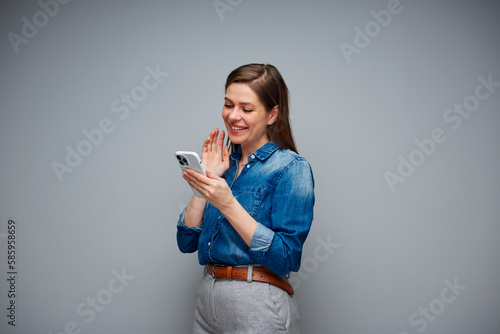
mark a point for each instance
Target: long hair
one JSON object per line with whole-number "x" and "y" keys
{"x": 270, "y": 88}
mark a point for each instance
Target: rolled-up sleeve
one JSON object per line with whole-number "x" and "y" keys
{"x": 279, "y": 247}
{"x": 187, "y": 238}
{"x": 262, "y": 239}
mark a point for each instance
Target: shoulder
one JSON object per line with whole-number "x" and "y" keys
{"x": 287, "y": 157}
{"x": 278, "y": 161}
{"x": 291, "y": 164}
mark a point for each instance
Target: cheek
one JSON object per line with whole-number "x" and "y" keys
{"x": 224, "y": 114}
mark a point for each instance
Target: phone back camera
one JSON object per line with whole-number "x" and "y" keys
{"x": 182, "y": 160}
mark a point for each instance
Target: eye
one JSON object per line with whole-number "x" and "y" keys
{"x": 247, "y": 110}
{"x": 228, "y": 105}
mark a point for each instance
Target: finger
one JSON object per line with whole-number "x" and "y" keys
{"x": 226, "y": 153}
{"x": 221, "y": 144}
{"x": 211, "y": 140}
{"x": 206, "y": 143}
{"x": 195, "y": 185}
{"x": 213, "y": 135}
{"x": 197, "y": 177}
{"x": 192, "y": 180}
{"x": 214, "y": 139}
{"x": 204, "y": 149}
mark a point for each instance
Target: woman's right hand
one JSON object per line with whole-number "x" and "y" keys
{"x": 215, "y": 155}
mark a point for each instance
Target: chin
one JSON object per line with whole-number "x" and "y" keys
{"x": 235, "y": 141}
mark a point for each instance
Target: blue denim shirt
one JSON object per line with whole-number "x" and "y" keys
{"x": 276, "y": 187}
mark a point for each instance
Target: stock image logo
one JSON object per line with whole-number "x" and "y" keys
{"x": 373, "y": 28}
{"x": 91, "y": 306}
{"x": 31, "y": 27}
{"x": 429, "y": 313}
{"x": 223, "y": 6}
{"x": 310, "y": 264}
{"x": 120, "y": 106}
{"x": 12, "y": 271}
{"x": 453, "y": 116}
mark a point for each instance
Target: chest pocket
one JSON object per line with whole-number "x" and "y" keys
{"x": 251, "y": 199}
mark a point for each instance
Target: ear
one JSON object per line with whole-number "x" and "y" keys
{"x": 273, "y": 115}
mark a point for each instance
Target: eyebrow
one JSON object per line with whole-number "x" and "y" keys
{"x": 242, "y": 103}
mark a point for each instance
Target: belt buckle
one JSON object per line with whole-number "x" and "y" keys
{"x": 213, "y": 269}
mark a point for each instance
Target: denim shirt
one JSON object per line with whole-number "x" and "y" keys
{"x": 276, "y": 187}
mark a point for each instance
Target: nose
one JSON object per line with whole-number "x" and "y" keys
{"x": 234, "y": 115}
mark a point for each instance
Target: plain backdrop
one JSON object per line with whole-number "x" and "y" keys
{"x": 390, "y": 103}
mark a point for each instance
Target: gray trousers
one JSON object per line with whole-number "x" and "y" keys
{"x": 237, "y": 306}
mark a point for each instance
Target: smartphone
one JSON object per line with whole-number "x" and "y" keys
{"x": 188, "y": 159}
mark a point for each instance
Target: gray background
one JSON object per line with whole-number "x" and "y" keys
{"x": 388, "y": 254}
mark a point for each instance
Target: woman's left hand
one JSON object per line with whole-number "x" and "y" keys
{"x": 212, "y": 187}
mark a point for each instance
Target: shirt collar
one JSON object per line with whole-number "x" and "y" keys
{"x": 262, "y": 153}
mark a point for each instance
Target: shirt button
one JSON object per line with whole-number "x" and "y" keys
{"x": 209, "y": 243}
{"x": 253, "y": 156}
{"x": 248, "y": 166}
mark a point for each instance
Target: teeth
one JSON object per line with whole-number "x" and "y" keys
{"x": 236, "y": 128}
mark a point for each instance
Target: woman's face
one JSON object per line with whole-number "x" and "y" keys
{"x": 245, "y": 117}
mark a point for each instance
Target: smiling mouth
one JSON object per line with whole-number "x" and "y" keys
{"x": 236, "y": 128}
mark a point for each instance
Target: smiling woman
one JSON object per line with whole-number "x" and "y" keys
{"x": 246, "y": 118}
{"x": 255, "y": 214}
{"x": 265, "y": 85}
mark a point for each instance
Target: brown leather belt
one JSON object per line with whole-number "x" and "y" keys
{"x": 259, "y": 273}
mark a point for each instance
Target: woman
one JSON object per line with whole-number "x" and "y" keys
{"x": 255, "y": 214}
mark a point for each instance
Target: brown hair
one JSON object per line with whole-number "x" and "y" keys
{"x": 267, "y": 83}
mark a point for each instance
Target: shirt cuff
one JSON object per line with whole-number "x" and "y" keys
{"x": 183, "y": 228}
{"x": 262, "y": 239}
